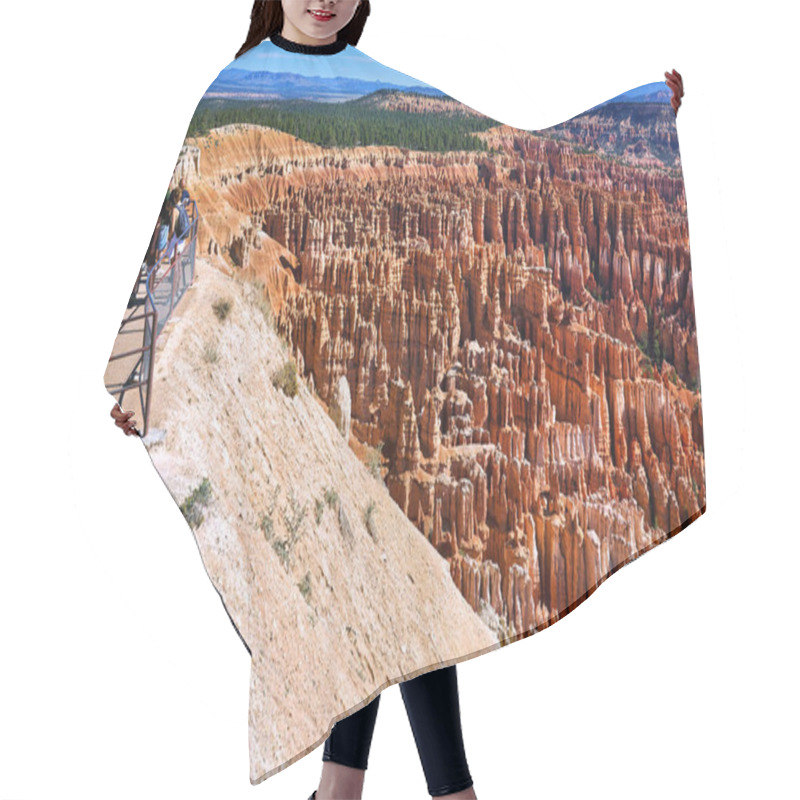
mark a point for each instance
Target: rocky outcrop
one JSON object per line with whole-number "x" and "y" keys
{"x": 187, "y": 168}
{"x": 340, "y": 407}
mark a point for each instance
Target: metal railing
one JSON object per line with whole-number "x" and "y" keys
{"x": 157, "y": 291}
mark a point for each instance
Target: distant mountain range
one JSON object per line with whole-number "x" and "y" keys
{"x": 291, "y": 86}
{"x": 657, "y": 92}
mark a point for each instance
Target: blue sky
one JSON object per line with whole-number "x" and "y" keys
{"x": 349, "y": 63}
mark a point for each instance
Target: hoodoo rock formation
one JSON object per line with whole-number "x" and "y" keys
{"x": 513, "y": 331}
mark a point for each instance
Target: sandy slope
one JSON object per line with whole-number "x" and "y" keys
{"x": 346, "y": 614}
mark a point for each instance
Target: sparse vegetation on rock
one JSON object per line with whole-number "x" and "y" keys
{"x": 210, "y": 355}
{"x": 331, "y": 497}
{"x": 286, "y": 380}
{"x": 293, "y": 515}
{"x": 192, "y": 507}
{"x": 267, "y": 524}
{"x": 305, "y": 587}
{"x": 222, "y": 308}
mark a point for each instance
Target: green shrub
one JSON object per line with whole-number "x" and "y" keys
{"x": 305, "y": 586}
{"x": 210, "y": 355}
{"x": 657, "y": 349}
{"x": 192, "y": 507}
{"x": 293, "y": 516}
{"x": 282, "y": 548}
{"x": 285, "y": 379}
{"x": 222, "y": 308}
{"x": 268, "y": 526}
{"x": 331, "y": 497}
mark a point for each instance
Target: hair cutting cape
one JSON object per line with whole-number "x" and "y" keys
{"x": 419, "y": 381}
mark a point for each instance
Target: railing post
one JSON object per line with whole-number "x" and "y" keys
{"x": 150, "y": 370}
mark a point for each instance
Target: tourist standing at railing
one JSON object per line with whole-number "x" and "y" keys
{"x": 179, "y": 223}
{"x": 165, "y": 228}
{"x": 185, "y": 197}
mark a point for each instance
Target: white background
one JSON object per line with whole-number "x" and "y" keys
{"x": 120, "y": 673}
